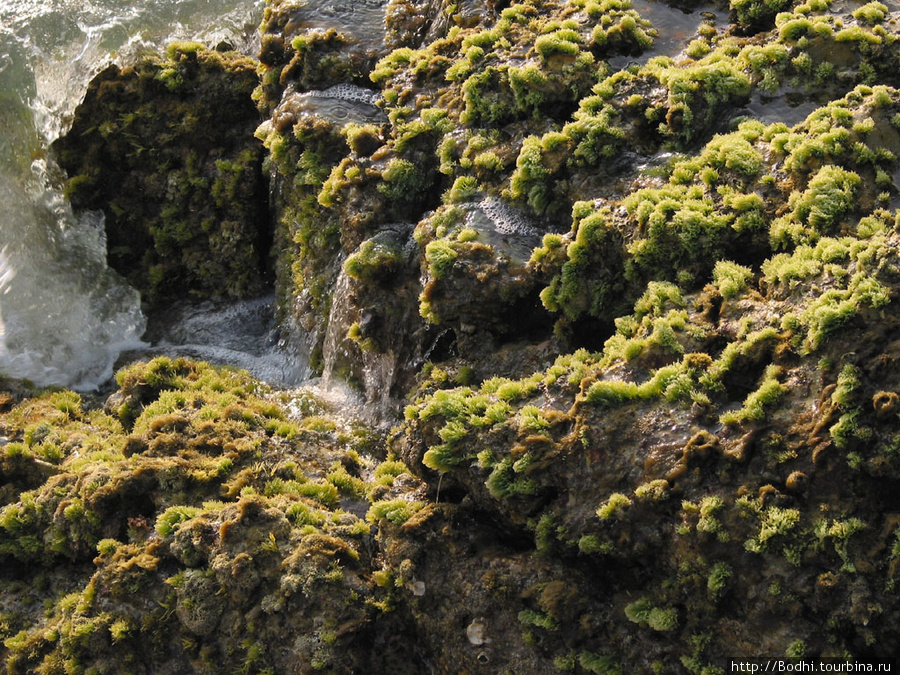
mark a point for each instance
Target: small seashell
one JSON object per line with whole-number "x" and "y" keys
{"x": 475, "y": 631}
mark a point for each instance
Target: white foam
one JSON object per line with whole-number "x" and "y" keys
{"x": 65, "y": 316}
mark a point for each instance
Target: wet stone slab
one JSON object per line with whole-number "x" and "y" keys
{"x": 508, "y": 229}
{"x": 339, "y": 105}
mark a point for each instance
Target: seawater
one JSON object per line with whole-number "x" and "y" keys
{"x": 64, "y": 315}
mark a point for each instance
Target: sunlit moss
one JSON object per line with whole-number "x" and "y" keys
{"x": 397, "y": 511}
{"x": 730, "y": 277}
{"x": 754, "y": 409}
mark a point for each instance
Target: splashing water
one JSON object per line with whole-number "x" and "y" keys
{"x": 241, "y": 334}
{"x": 64, "y": 315}
{"x": 348, "y": 92}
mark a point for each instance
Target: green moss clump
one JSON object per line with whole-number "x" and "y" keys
{"x": 171, "y": 518}
{"x": 402, "y": 181}
{"x": 588, "y": 280}
{"x": 397, "y": 511}
{"x": 440, "y": 256}
{"x": 730, "y": 278}
{"x": 871, "y": 13}
{"x": 244, "y": 521}
{"x": 776, "y": 525}
{"x": 819, "y": 209}
{"x": 757, "y": 15}
{"x": 373, "y": 260}
{"x": 837, "y": 305}
{"x": 643, "y": 612}
{"x": 769, "y": 392}
{"x": 614, "y": 507}
{"x": 600, "y": 664}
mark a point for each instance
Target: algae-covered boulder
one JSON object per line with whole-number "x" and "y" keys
{"x": 201, "y": 523}
{"x": 733, "y": 450}
{"x": 476, "y": 280}
{"x": 520, "y": 107}
{"x": 451, "y": 129}
{"x": 165, "y": 149}
{"x": 710, "y": 470}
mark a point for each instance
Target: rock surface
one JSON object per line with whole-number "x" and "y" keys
{"x": 644, "y": 342}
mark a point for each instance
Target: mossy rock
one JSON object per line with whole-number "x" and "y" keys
{"x": 710, "y": 475}
{"x": 165, "y": 148}
{"x": 226, "y": 519}
{"x": 695, "y": 454}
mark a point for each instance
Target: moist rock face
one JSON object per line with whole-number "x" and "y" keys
{"x": 622, "y": 312}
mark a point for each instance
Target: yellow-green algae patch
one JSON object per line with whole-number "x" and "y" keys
{"x": 189, "y": 526}
{"x": 713, "y": 439}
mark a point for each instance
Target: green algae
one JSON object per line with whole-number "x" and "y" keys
{"x": 696, "y": 450}
{"x": 509, "y": 74}
{"x": 526, "y": 454}
{"x": 712, "y": 209}
{"x": 212, "y": 480}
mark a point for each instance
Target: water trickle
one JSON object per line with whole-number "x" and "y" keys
{"x": 375, "y": 370}
{"x": 895, "y": 197}
{"x": 335, "y": 347}
{"x": 64, "y": 316}
{"x": 241, "y": 334}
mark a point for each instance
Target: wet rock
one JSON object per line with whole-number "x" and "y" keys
{"x": 371, "y": 339}
{"x": 481, "y": 251}
{"x": 620, "y": 460}
{"x": 339, "y": 105}
{"x": 317, "y": 45}
{"x": 210, "y": 542}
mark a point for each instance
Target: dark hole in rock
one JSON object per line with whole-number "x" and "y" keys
{"x": 443, "y": 347}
